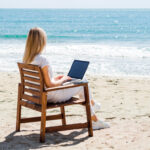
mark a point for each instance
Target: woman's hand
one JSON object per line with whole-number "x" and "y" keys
{"x": 65, "y": 78}
{"x": 62, "y": 78}
{"x": 58, "y": 77}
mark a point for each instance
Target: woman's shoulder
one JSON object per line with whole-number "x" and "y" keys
{"x": 40, "y": 57}
{"x": 42, "y": 60}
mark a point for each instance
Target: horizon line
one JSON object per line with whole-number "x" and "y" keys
{"x": 73, "y": 8}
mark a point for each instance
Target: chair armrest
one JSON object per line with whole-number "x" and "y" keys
{"x": 65, "y": 87}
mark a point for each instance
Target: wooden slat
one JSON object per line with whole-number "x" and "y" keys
{"x": 31, "y": 79}
{"x": 36, "y": 74}
{"x": 65, "y": 87}
{"x": 67, "y": 127}
{"x": 31, "y": 98}
{"x": 32, "y": 91}
{"x": 36, "y": 119}
{"x": 32, "y": 106}
{"x": 29, "y": 66}
{"x": 32, "y": 85}
{"x": 72, "y": 101}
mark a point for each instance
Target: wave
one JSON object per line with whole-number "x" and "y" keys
{"x": 100, "y": 51}
{"x": 105, "y": 59}
{"x": 83, "y": 38}
{"x": 83, "y": 49}
{"x": 10, "y": 36}
{"x": 17, "y": 36}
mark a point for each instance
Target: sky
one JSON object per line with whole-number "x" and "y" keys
{"x": 74, "y": 3}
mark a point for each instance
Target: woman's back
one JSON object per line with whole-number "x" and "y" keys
{"x": 42, "y": 61}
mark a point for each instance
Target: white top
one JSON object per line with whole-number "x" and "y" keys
{"x": 42, "y": 61}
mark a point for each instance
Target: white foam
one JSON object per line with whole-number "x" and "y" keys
{"x": 101, "y": 50}
{"x": 104, "y": 59}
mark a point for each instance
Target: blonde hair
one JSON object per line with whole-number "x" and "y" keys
{"x": 35, "y": 43}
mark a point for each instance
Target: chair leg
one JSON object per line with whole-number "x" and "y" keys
{"x": 88, "y": 111}
{"x": 63, "y": 115}
{"x": 43, "y": 118}
{"x": 18, "y": 116}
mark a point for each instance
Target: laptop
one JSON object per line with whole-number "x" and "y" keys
{"x": 77, "y": 71}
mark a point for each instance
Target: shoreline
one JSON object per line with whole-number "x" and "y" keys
{"x": 93, "y": 75}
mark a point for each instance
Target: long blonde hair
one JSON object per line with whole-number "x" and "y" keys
{"x": 35, "y": 43}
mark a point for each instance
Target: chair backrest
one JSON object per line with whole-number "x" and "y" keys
{"x": 32, "y": 82}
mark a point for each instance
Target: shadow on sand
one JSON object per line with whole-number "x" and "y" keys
{"x": 31, "y": 141}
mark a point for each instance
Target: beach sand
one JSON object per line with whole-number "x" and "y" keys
{"x": 125, "y": 105}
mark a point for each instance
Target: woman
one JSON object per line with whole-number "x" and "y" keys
{"x": 36, "y": 42}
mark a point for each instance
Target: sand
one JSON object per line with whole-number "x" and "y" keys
{"x": 125, "y": 105}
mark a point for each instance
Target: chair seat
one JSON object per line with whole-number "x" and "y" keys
{"x": 37, "y": 107}
{"x": 72, "y": 101}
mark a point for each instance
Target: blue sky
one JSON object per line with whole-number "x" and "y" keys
{"x": 74, "y": 3}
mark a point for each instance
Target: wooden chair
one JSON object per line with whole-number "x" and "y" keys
{"x": 33, "y": 95}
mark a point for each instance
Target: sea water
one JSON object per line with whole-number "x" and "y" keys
{"x": 115, "y": 41}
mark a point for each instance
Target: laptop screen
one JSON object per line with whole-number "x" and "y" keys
{"x": 78, "y": 69}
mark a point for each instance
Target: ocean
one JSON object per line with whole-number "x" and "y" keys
{"x": 115, "y": 41}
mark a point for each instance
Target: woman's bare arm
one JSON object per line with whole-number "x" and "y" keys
{"x": 52, "y": 83}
